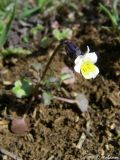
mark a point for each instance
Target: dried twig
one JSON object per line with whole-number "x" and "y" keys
{"x": 81, "y": 141}
{"x": 12, "y": 155}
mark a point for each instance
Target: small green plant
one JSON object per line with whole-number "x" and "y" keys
{"x": 112, "y": 14}
{"x": 7, "y": 13}
{"x": 63, "y": 34}
{"x": 14, "y": 51}
{"x": 83, "y": 64}
{"x": 33, "y": 32}
{"x": 41, "y": 5}
{"x": 36, "y": 29}
{"x": 22, "y": 88}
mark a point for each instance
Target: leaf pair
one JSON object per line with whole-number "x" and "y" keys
{"x": 61, "y": 35}
{"x": 22, "y": 88}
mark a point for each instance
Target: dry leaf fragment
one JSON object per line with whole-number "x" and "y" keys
{"x": 82, "y": 102}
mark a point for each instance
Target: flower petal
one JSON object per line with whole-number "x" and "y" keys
{"x": 88, "y": 49}
{"x": 89, "y": 70}
{"x": 77, "y": 67}
{"x": 79, "y": 59}
{"x": 92, "y": 57}
{"x": 78, "y": 63}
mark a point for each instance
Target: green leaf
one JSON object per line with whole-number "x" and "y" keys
{"x": 45, "y": 42}
{"x": 27, "y": 12}
{"x": 42, "y": 3}
{"x": 36, "y": 29}
{"x": 57, "y": 34}
{"x": 61, "y": 35}
{"x": 36, "y": 66}
{"x": 66, "y": 33}
{"x": 47, "y": 97}
{"x": 15, "y": 51}
{"x": 22, "y": 88}
{"x": 65, "y": 76}
{"x": 1, "y": 28}
{"x": 7, "y": 13}
{"x": 40, "y": 6}
{"x": 113, "y": 16}
{"x": 25, "y": 39}
{"x": 4, "y": 4}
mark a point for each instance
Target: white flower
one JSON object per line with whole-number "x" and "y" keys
{"x": 85, "y": 64}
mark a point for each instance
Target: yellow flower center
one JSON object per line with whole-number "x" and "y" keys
{"x": 87, "y": 67}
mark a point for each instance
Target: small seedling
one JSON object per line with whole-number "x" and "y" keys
{"x": 84, "y": 64}
{"x": 63, "y": 34}
{"x": 22, "y": 88}
{"x": 14, "y": 51}
{"x": 34, "y": 31}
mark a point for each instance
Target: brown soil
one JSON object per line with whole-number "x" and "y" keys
{"x": 55, "y": 130}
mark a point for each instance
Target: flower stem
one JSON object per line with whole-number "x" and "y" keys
{"x": 50, "y": 60}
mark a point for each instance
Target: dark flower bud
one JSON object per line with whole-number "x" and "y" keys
{"x": 71, "y": 49}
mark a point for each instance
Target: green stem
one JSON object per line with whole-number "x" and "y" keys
{"x": 50, "y": 60}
